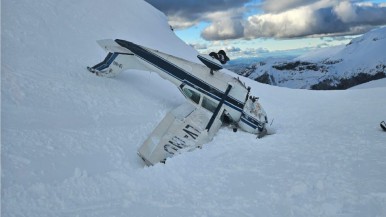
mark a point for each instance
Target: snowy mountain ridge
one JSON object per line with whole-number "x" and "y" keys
{"x": 339, "y": 67}
{"x": 70, "y": 139}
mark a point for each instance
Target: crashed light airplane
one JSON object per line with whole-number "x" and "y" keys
{"x": 213, "y": 98}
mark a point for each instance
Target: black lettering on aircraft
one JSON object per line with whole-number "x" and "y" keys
{"x": 189, "y": 130}
{"x": 176, "y": 143}
{"x": 170, "y": 149}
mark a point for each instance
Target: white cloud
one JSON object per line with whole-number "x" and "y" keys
{"x": 225, "y": 25}
{"x": 346, "y": 11}
{"x": 178, "y": 22}
{"x": 279, "y": 19}
{"x": 232, "y": 49}
{"x": 254, "y": 51}
{"x": 199, "y": 46}
{"x": 280, "y": 5}
{"x": 324, "y": 17}
{"x": 223, "y": 29}
{"x": 291, "y": 23}
{"x": 186, "y": 13}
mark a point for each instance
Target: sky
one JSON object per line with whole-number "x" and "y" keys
{"x": 263, "y": 28}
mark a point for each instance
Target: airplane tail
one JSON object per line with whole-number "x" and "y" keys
{"x": 117, "y": 60}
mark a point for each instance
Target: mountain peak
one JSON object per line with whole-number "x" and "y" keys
{"x": 338, "y": 67}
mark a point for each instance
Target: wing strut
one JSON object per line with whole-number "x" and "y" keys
{"x": 215, "y": 113}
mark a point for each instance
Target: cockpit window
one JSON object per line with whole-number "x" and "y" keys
{"x": 193, "y": 95}
{"x": 209, "y": 104}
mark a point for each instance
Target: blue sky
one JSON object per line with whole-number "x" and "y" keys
{"x": 259, "y": 47}
{"x": 261, "y": 28}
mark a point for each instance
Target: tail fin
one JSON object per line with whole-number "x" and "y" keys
{"x": 117, "y": 60}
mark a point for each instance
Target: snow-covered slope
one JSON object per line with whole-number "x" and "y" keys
{"x": 69, "y": 138}
{"x": 341, "y": 67}
{"x": 372, "y": 84}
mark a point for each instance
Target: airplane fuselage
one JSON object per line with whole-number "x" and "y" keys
{"x": 217, "y": 92}
{"x": 193, "y": 76}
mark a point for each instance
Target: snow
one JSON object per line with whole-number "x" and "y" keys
{"x": 338, "y": 67}
{"x": 321, "y": 54}
{"x": 373, "y": 84}
{"x": 365, "y": 51}
{"x": 69, "y": 138}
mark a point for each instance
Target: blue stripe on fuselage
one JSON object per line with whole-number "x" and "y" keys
{"x": 251, "y": 121}
{"x": 179, "y": 73}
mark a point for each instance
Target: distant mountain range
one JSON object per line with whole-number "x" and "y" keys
{"x": 340, "y": 67}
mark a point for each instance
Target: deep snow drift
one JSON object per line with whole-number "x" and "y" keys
{"x": 69, "y": 138}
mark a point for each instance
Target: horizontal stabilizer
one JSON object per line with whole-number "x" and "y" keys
{"x": 210, "y": 62}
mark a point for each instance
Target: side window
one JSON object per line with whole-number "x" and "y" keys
{"x": 194, "y": 96}
{"x": 209, "y": 104}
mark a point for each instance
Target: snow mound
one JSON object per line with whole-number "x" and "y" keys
{"x": 69, "y": 138}
{"x": 372, "y": 84}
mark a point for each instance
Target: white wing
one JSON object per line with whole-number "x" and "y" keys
{"x": 181, "y": 130}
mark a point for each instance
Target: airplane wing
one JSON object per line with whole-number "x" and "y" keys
{"x": 181, "y": 130}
